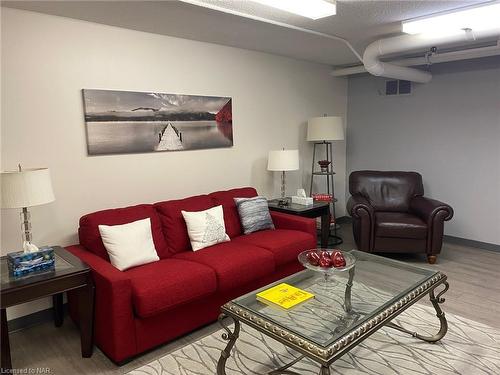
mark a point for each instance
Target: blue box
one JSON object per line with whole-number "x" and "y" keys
{"x": 21, "y": 263}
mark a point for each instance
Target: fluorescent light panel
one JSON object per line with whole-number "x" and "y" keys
{"x": 313, "y": 9}
{"x": 481, "y": 17}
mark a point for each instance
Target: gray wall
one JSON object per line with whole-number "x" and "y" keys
{"x": 448, "y": 130}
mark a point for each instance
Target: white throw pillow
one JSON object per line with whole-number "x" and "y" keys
{"x": 130, "y": 244}
{"x": 206, "y": 228}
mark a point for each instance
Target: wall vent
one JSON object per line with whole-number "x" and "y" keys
{"x": 397, "y": 87}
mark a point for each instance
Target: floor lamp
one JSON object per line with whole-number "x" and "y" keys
{"x": 322, "y": 131}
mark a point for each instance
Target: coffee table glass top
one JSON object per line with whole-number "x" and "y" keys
{"x": 377, "y": 283}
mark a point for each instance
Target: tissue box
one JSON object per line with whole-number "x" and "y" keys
{"x": 305, "y": 201}
{"x": 21, "y": 263}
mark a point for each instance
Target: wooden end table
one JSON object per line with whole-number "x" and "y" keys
{"x": 317, "y": 209}
{"x": 69, "y": 274}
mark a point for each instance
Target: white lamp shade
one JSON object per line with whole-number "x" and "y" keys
{"x": 325, "y": 129}
{"x": 30, "y": 187}
{"x": 283, "y": 160}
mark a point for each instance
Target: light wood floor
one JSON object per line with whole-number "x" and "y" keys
{"x": 474, "y": 277}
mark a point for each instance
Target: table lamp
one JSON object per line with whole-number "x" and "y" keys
{"x": 26, "y": 188}
{"x": 283, "y": 161}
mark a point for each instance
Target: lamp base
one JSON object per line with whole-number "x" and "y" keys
{"x": 283, "y": 202}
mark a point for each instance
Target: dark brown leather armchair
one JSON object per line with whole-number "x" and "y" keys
{"x": 390, "y": 214}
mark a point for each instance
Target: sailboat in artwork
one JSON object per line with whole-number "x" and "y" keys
{"x": 170, "y": 139}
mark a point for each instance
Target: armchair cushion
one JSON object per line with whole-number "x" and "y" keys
{"x": 399, "y": 225}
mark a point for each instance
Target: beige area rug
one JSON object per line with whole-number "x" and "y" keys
{"x": 469, "y": 348}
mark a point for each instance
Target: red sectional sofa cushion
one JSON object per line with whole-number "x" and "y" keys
{"x": 231, "y": 216}
{"x": 284, "y": 244}
{"x": 235, "y": 264}
{"x": 91, "y": 238}
{"x": 168, "y": 283}
{"x": 173, "y": 223}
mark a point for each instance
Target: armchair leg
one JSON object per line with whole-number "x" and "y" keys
{"x": 432, "y": 259}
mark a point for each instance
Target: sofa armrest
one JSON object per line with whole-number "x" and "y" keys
{"x": 434, "y": 213}
{"x": 430, "y": 209}
{"x": 114, "y": 318}
{"x": 100, "y": 267}
{"x": 363, "y": 226}
{"x": 287, "y": 221}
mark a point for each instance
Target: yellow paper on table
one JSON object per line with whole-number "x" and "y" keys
{"x": 284, "y": 295}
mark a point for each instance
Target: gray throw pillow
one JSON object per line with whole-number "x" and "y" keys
{"x": 254, "y": 214}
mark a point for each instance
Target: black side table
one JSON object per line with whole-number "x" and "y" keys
{"x": 317, "y": 209}
{"x": 69, "y": 274}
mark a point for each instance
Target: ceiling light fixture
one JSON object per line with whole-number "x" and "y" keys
{"x": 475, "y": 18}
{"x": 313, "y": 9}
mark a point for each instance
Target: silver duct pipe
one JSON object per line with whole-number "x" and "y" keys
{"x": 471, "y": 53}
{"x": 408, "y": 43}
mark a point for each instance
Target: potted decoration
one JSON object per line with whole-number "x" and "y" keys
{"x": 324, "y": 165}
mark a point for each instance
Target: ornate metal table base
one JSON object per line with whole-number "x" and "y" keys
{"x": 325, "y": 370}
{"x": 443, "y": 324}
{"x": 235, "y": 313}
{"x": 347, "y": 296}
{"x": 284, "y": 369}
{"x": 231, "y": 337}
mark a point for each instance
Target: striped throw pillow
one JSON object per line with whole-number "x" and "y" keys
{"x": 254, "y": 214}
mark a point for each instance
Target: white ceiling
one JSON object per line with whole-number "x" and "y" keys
{"x": 359, "y": 21}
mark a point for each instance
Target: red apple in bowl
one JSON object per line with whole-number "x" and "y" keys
{"x": 338, "y": 259}
{"x": 325, "y": 262}
{"x": 313, "y": 258}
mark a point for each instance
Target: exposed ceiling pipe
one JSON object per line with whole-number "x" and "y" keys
{"x": 471, "y": 53}
{"x": 216, "y": 7}
{"x": 408, "y": 43}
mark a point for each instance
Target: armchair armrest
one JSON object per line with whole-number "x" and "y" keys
{"x": 434, "y": 213}
{"x": 114, "y": 327}
{"x": 363, "y": 226}
{"x": 430, "y": 209}
{"x": 287, "y": 221}
{"x": 358, "y": 206}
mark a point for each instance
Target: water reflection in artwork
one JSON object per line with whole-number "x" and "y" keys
{"x": 128, "y": 122}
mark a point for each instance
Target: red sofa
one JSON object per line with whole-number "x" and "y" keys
{"x": 145, "y": 306}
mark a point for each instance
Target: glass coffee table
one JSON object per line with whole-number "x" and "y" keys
{"x": 342, "y": 314}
